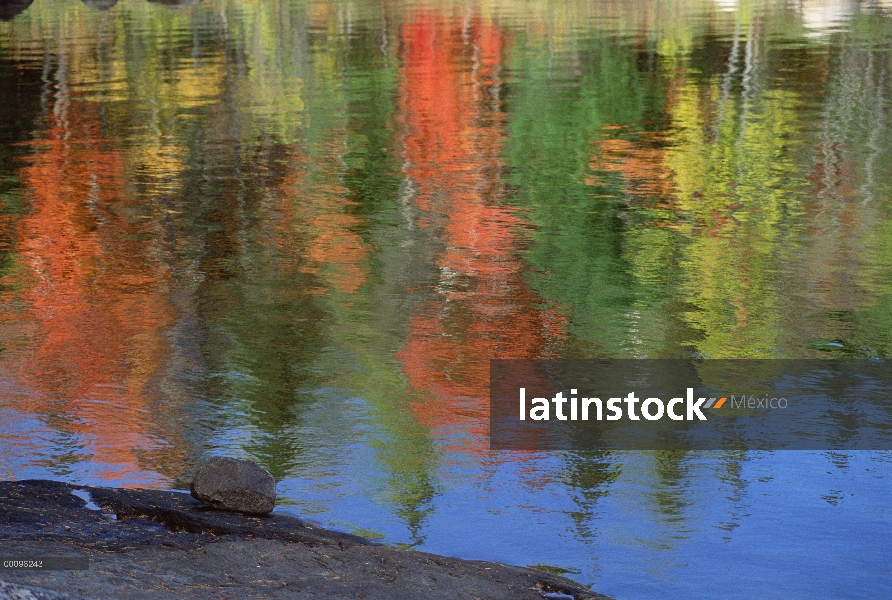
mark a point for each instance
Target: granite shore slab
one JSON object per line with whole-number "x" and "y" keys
{"x": 158, "y": 545}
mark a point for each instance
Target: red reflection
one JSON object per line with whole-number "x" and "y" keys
{"x": 97, "y": 296}
{"x": 483, "y": 308}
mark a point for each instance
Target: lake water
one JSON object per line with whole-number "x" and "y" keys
{"x": 297, "y": 231}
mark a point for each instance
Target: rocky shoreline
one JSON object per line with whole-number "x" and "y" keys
{"x": 154, "y": 544}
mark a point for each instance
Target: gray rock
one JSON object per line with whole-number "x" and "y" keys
{"x": 233, "y": 484}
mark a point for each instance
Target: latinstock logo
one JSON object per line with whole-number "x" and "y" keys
{"x": 686, "y": 404}
{"x": 651, "y": 409}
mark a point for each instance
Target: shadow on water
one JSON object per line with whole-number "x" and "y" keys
{"x": 177, "y": 3}
{"x": 100, "y": 4}
{"x": 10, "y": 8}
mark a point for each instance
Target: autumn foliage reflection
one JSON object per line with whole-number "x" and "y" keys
{"x": 97, "y": 298}
{"x": 483, "y": 308}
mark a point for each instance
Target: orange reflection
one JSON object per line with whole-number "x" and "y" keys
{"x": 334, "y": 244}
{"x": 641, "y": 161}
{"x": 483, "y": 308}
{"x": 97, "y": 294}
{"x": 309, "y": 218}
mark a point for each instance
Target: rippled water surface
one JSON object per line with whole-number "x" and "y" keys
{"x": 297, "y": 231}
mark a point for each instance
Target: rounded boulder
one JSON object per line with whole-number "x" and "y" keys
{"x": 234, "y": 484}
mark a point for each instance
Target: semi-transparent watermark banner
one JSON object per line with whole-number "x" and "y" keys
{"x": 691, "y": 404}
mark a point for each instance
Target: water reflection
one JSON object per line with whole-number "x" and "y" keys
{"x": 100, "y": 4}
{"x": 93, "y": 294}
{"x": 10, "y": 8}
{"x": 482, "y": 307}
{"x": 298, "y": 231}
{"x": 177, "y": 3}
